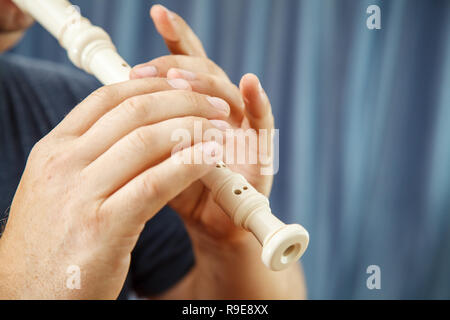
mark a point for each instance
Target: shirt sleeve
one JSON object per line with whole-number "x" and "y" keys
{"x": 163, "y": 255}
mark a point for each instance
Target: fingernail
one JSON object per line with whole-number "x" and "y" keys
{"x": 179, "y": 73}
{"x": 220, "y": 124}
{"x": 260, "y": 86}
{"x": 170, "y": 15}
{"x": 172, "y": 34}
{"x": 179, "y": 84}
{"x": 219, "y": 104}
{"x": 146, "y": 72}
{"x": 168, "y": 12}
{"x": 261, "y": 89}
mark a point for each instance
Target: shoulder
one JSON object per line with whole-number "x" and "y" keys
{"x": 55, "y": 85}
{"x": 36, "y": 95}
{"x": 43, "y": 71}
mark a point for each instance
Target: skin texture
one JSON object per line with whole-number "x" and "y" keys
{"x": 13, "y": 23}
{"x": 93, "y": 182}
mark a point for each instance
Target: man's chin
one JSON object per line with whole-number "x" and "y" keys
{"x": 15, "y": 28}
{"x": 12, "y": 19}
{"x": 13, "y": 23}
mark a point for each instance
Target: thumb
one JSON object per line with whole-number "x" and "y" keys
{"x": 257, "y": 105}
{"x": 179, "y": 37}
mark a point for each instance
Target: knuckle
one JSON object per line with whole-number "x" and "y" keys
{"x": 212, "y": 67}
{"x": 153, "y": 83}
{"x": 205, "y": 123}
{"x": 47, "y": 155}
{"x": 195, "y": 124}
{"x": 151, "y": 187}
{"x": 102, "y": 93}
{"x": 191, "y": 98}
{"x": 211, "y": 82}
{"x": 96, "y": 220}
{"x": 52, "y": 159}
{"x": 139, "y": 139}
{"x": 37, "y": 148}
{"x": 57, "y": 160}
{"x": 134, "y": 108}
{"x": 167, "y": 61}
{"x": 103, "y": 209}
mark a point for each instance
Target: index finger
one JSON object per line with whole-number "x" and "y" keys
{"x": 102, "y": 100}
{"x": 177, "y": 34}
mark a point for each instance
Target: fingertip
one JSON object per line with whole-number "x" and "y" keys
{"x": 179, "y": 84}
{"x": 153, "y": 11}
{"x": 180, "y": 73}
{"x": 173, "y": 74}
{"x": 133, "y": 74}
{"x": 255, "y": 98}
{"x": 250, "y": 88}
{"x": 143, "y": 71}
{"x": 163, "y": 23}
{"x": 157, "y": 11}
{"x": 249, "y": 80}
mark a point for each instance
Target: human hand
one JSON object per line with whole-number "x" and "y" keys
{"x": 228, "y": 263}
{"x": 250, "y": 109}
{"x": 92, "y": 183}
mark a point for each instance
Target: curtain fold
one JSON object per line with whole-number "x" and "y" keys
{"x": 364, "y": 119}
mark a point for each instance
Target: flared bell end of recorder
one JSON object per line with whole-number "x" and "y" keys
{"x": 285, "y": 247}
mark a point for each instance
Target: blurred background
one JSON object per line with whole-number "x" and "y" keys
{"x": 364, "y": 119}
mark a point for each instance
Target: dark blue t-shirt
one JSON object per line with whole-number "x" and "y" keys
{"x": 34, "y": 97}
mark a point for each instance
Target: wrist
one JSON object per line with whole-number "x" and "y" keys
{"x": 10, "y": 284}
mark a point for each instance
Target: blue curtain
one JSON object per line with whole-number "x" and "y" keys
{"x": 364, "y": 119}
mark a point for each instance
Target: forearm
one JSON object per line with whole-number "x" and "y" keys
{"x": 235, "y": 271}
